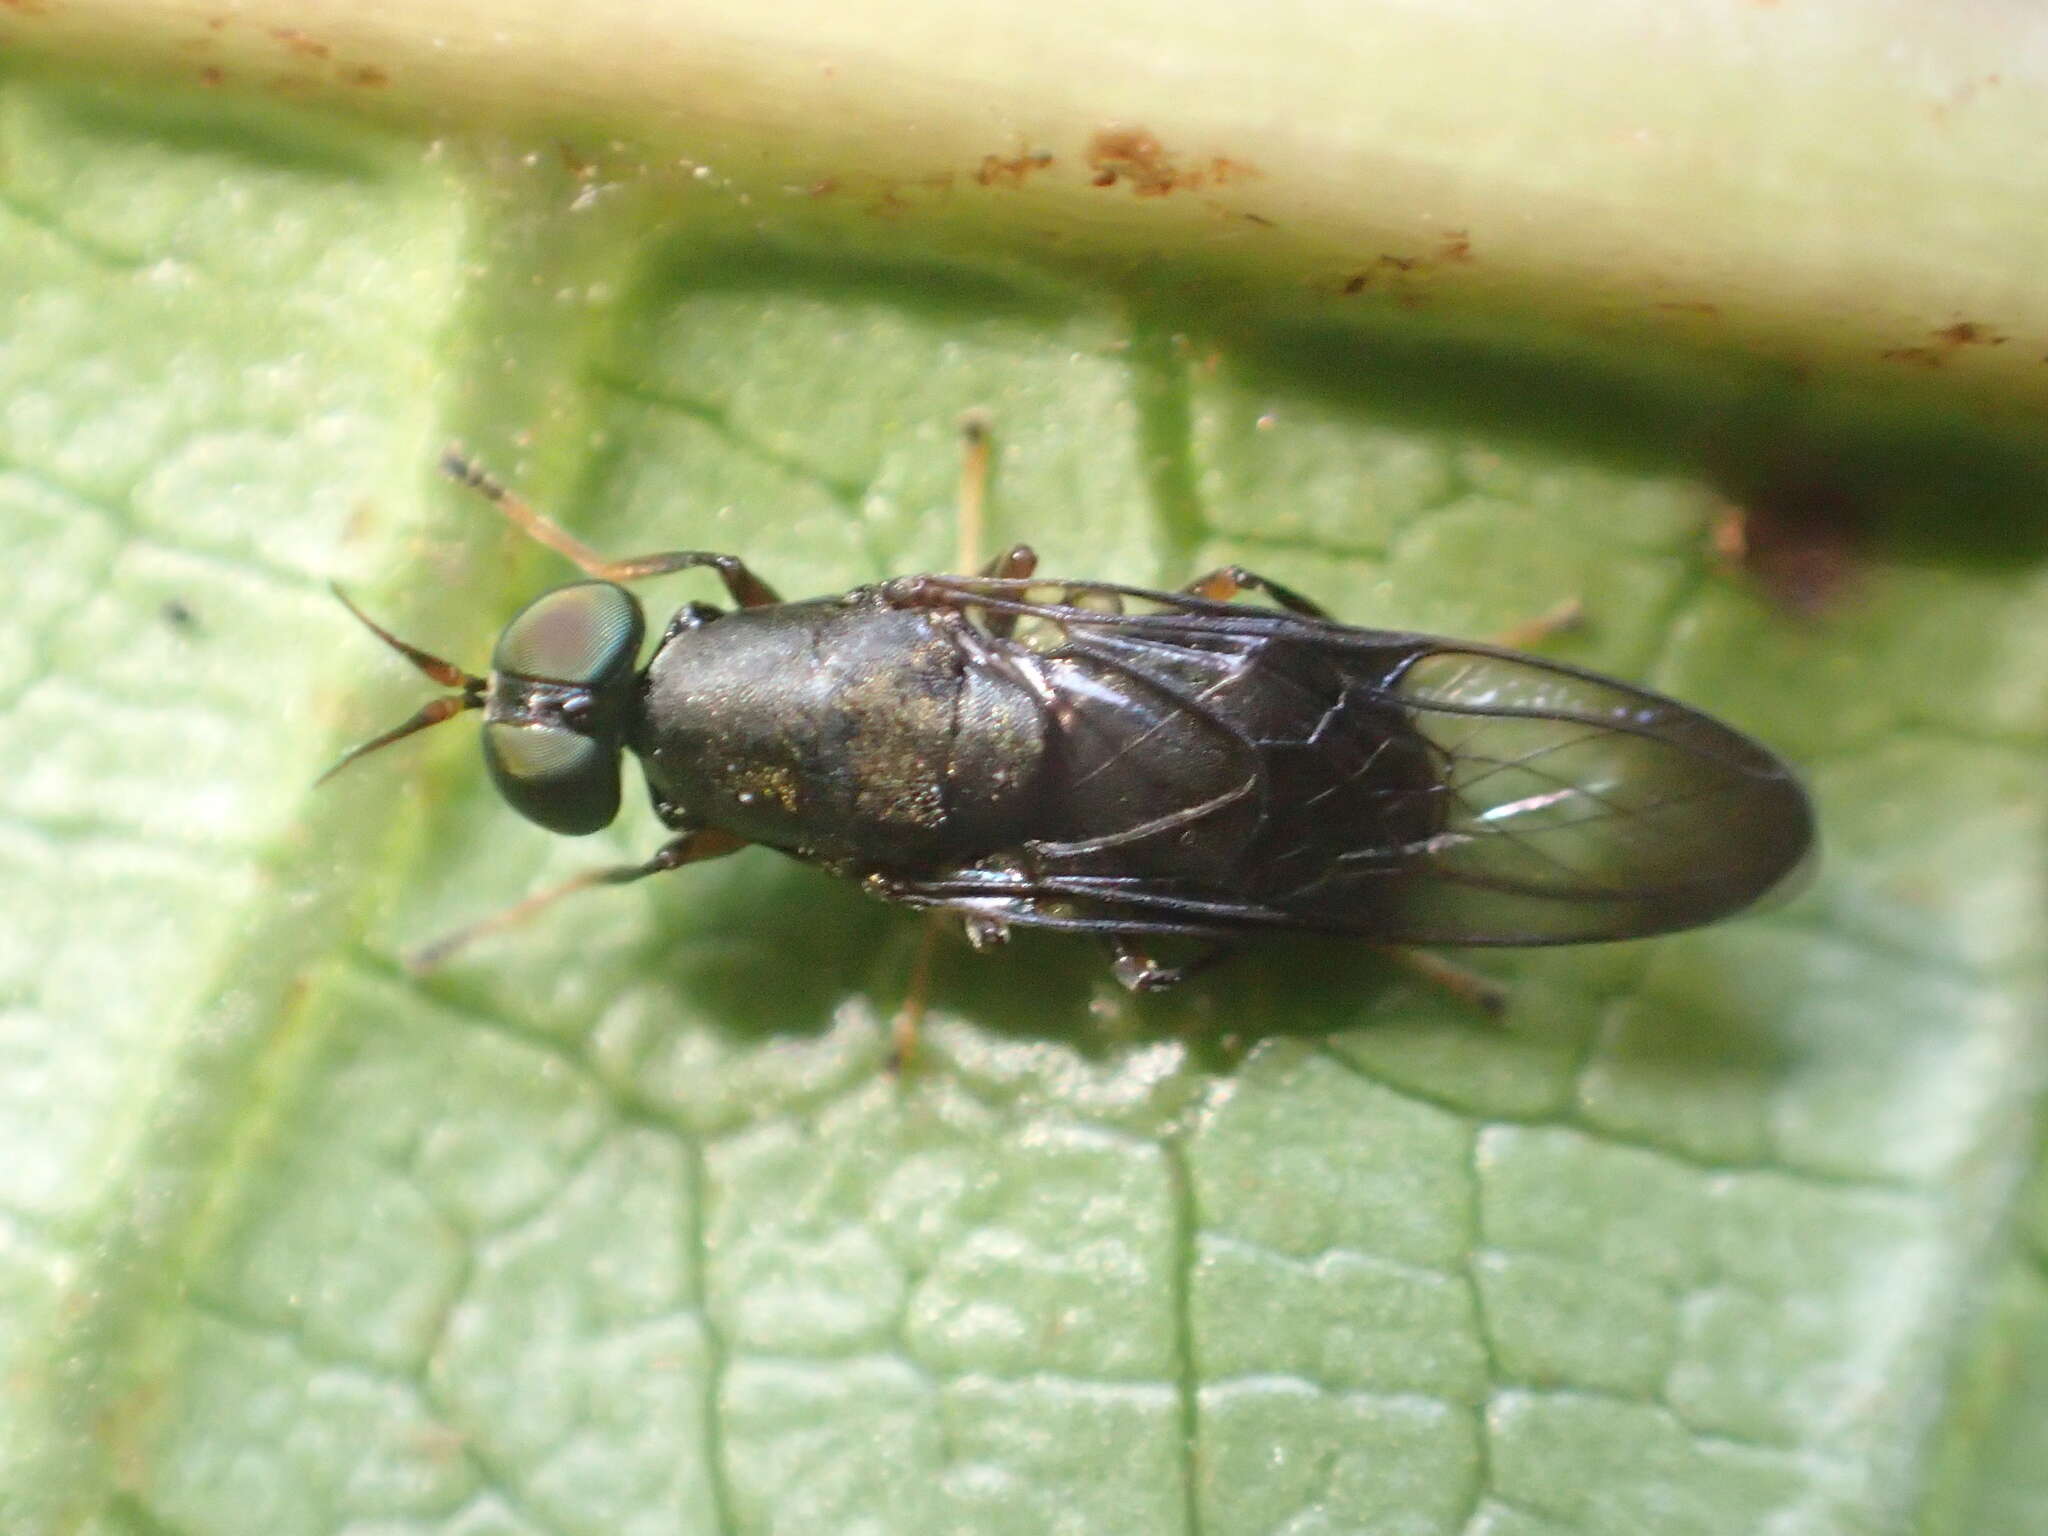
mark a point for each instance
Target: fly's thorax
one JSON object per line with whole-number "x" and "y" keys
{"x": 844, "y": 730}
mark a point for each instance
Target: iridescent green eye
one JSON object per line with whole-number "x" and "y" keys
{"x": 587, "y": 633}
{"x": 566, "y": 782}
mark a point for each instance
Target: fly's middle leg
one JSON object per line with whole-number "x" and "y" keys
{"x": 741, "y": 584}
{"x": 973, "y": 501}
{"x": 1014, "y": 563}
{"x": 1225, "y": 582}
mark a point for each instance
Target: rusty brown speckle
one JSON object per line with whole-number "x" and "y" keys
{"x": 369, "y": 77}
{"x": 298, "y": 42}
{"x": 1912, "y": 357}
{"x": 1133, "y": 157}
{"x": 1009, "y": 170}
{"x": 1385, "y": 266}
{"x": 1457, "y": 247}
{"x": 1692, "y": 307}
{"x": 1968, "y": 333}
{"x": 212, "y": 75}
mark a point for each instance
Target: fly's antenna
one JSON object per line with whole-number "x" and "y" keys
{"x": 470, "y": 694}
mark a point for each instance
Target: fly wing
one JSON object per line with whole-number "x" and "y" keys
{"x": 1578, "y": 808}
{"x": 1407, "y": 789}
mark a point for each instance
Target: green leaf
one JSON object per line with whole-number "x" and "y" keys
{"x": 620, "y": 1224}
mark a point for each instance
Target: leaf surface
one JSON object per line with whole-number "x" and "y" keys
{"x": 619, "y": 1224}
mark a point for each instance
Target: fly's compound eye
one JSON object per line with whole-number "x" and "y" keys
{"x": 561, "y": 679}
{"x": 586, "y": 634}
{"x": 550, "y": 775}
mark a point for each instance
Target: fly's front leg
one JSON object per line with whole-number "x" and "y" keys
{"x": 690, "y": 848}
{"x": 745, "y": 588}
{"x": 1225, "y": 582}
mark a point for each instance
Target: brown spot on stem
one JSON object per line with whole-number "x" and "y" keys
{"x": 1009, "y": 171}
{"x": 298, "y": 42}
{"x": 1968, "y": 333}
{"x": 1133, "y": 157}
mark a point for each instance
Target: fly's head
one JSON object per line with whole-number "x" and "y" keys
{"x": 557, "y": 705}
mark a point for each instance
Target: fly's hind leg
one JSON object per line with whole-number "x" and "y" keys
{"x": 1136, "y": 969}
{"x": 689, "y": 848}
{"x": 745, "y": 588}
{"x": 1567, "y": 615}
{"x": 1482, "y": 994}
{"x": 1225, "y": 582}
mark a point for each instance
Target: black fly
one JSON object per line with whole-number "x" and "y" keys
{"x": 1134, "y": 764}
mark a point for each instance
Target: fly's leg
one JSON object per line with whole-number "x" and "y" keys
{"x": 745, "y": 588}
{"x": 689, "y": 848}
{"x": 1225, "y": 582}
{"x": 1138, "y": 971}
{"x": 905, "y": 1028}
{"x": 1480, "y": 993}
{"x": 1013, "y": 564}
{"x": 974, "y": 466}
{"x": 1018, "y": 561}
{"x": 1567, "y": 615}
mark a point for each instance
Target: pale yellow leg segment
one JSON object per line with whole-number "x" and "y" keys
{"x": 1567, "y": 615}
{"x": 741, "y": 584}
{"x": 1018, "y": 560}
{"x": 1474, "y": 991}
{"x": 974, "y": 463}
{"x": 1225, "y": 582}
{"x": 690, "y": 848}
